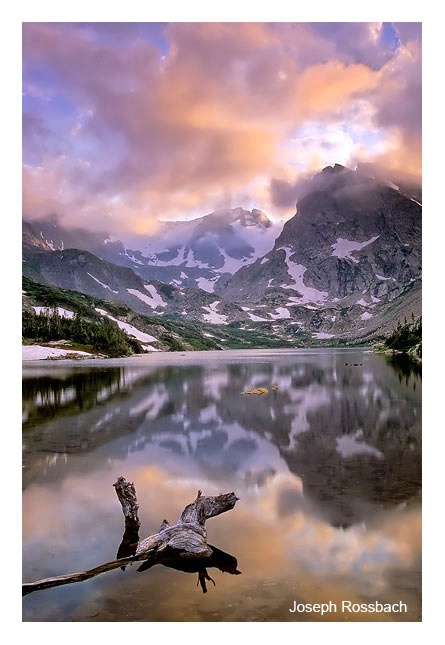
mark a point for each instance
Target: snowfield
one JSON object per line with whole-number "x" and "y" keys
{"x": 296, "y": 272}
{"x": 38, "y": 352}
{"x": 154, "y": 300}
{"x": 343, "y": 248}
{"x": 128, "y": 329}
{"x": 207, "y": 284}
{"x": 213, "y": 316}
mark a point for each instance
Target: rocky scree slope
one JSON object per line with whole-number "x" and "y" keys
{"x": 349, "y": 256}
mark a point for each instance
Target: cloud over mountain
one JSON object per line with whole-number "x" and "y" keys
{"x": 128, "y": 123}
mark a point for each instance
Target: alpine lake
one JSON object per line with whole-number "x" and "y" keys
{"x": 326, "y": 464}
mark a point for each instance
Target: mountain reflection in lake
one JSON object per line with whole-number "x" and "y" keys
{"x": 327, "y": 467}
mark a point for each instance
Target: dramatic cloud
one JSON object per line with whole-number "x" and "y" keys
{"x": 128, "y": 123}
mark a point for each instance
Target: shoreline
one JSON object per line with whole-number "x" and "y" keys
{"x": 43, "y": 352}
{"x": 40, "y": 353}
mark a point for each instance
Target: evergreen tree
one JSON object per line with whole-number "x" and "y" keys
{"x": 102, "y": 335}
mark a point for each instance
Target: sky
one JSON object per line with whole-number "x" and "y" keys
{"x": 77, "y": 113}
{"x": 128, "y": 123}
{"x": 80, "y": 114}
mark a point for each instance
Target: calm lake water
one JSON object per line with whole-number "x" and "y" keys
{"x": 327, "y": 466}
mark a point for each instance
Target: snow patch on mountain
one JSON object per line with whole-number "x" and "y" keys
{"x": 213, "y": 316}
{"x": 153, "y": 300}
{"x": 382, "y": 277}
{"x": 191, "y": 261}
{"x": 63, "y": 313}
{"x": 207, "y": 284}
{"x": 343, "y": 248}
{"x": 133, "y": 259}
{"x": 231, "y": 265}
{"x": 105, "y": 286}
{"x": 129, "y": 329}
{"x": 224, "y": 241}
{"x": 296, "y": 272}
{"x": 282, "y": 312}
{"x": 40, "y": 352}
{"x": 178, "y": 260}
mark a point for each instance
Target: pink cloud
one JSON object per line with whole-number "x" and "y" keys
{"x": 156, "y": 134}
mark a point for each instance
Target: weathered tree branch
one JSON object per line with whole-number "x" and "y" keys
{"x": 57, "y": 581}
{"x": 126, "y": 494}
{"x": 182, "y": 543}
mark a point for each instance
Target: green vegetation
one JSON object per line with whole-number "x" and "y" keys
{"x": 101, "y": 335}
{"x": 406, "y": 338}
{"x": 173, "y": 332}
{"x": 93, "y": 331}
{"x": 251, "y": 336}
{"x": 178, "y": 334}
{"x": 50, "y": 297}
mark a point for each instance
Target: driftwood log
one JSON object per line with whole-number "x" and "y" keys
{"x": 181, "y": 546}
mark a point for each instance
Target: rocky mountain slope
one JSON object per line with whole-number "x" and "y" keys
{"x": 349, "y": 256}
{"x": 84, "y": 272}
{"x": 345, "y": 268}
{"x": 145, "y": 333}
{"x": 193, "y": 253}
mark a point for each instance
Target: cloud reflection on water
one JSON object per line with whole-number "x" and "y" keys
{"x": 323, "y": 511}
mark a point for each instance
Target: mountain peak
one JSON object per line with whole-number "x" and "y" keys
{"x": 254, "y": 217}
{"x": 336, "y": 168}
